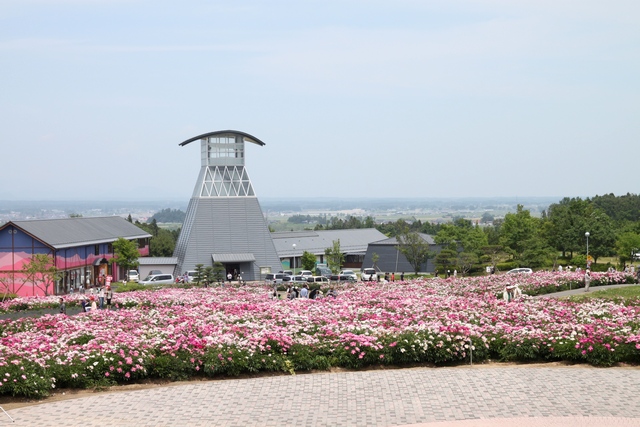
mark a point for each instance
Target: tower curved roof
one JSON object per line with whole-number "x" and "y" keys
{"x": 245, "y": 135}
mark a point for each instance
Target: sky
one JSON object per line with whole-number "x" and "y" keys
{"x": 376, "y": 98}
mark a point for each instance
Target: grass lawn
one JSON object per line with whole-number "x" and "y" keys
{"x": 626, "y": 295}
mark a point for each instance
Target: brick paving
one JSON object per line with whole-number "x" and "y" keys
{"x": 474, "y": 396}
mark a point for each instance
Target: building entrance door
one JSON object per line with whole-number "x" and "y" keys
{"x": 234, "y": 269}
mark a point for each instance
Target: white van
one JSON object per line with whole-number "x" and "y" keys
{"x": 368, "y": 275}
{"x": 133, "y": 276}
{"x": 158, "y": 279}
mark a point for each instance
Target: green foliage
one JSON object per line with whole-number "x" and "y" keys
{"x": 446, "y": 260}
{"x": 125, "y": 253}
{"x": 218, "y": 271}
{"x": 200, "y": 276}
{"x": 627, "y": 244}
{"x": 178, "y": 366}
{"x": 308, "y": 261}
{"x": 163, "y": 241}
{"x": 335, "y": 257}
{"x": 26, "y": 379}
{"x": 516, "y": 230}
{"x": 168, "y": 215}
{"x": 414, "y": 248}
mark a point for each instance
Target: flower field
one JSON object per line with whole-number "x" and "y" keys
{"x": 177, "y": 334}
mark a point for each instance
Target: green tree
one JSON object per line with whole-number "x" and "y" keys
{"x": 42, "y": 272}
{"x": 334, "y": 256}
{"x": 200, "y": 276}
{"x": 218, "y": 271}
{"x": 466, "y": 261}
{"x": 446, "y": 260}
{"x": 602, "y": 236}
{"x": 374, "y": 259}
{"x": 162, "y": 244}
{"x": 627, "y": 244}
{"x": 564, "y": 225}
{"x": 125, "y": 254}
{"x": 493, "y": 254}
{"x": 414, "y": 248}
{"x": 308, "y": 261}
{"x": 537, "y": 253}
{"x": 517, "y": 229}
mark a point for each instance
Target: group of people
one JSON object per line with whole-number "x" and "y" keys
{"x": 391, "y": 277}
{"x": 294, "y": 292}
{"x": 98, "y": 299}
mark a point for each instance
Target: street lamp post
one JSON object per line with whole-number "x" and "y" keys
{"x": 587, "y": 236}
{"x": 293, "y": 259}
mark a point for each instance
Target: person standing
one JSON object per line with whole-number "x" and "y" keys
{"x": 101, "y": 297}
{"x": 587, "y": 280}
{"x": 402, "y": 276}
{"x": 304, "y": 292}
{"x": 63, "y": 307}
{"x": 109, "y": 296}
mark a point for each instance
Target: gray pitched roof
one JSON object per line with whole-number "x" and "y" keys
{"x": 158, "y": 260}
{"x": 392, "y": 241}
{"x": 315, "y": 242}
{"x": 68, "y": 232}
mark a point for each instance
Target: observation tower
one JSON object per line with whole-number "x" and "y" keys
{"x": 224, "y": 221}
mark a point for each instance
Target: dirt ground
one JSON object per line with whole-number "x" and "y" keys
{"x": 9, "y": 402}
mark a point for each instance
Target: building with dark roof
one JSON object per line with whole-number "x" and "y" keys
{"x": 80, "y": 247}
{"x": 353, "y": 244}
{"x": 390, "y": 259}
{"x": 224, "y": 221}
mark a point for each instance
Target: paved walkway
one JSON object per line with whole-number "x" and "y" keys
{"x": 581, "y": 291}
{"x": 467, "y": 396}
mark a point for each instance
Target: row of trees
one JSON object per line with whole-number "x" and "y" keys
{"x": 613, "y": 224}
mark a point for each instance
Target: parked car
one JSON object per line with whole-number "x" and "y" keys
{"x": 317, "y": 279}
{"x": 299, "y": 279}
{"x": 133, "y": 276}
{"x": 323, "y": 271}
{"x": 368, "y": 275}
{"x": 520, "y": 271}
{"x": 342, "y": 278}
{"x": 154, "y": 272}
{"x": 306, "y": 273}
{"x": 287, "y": 272}
{"x": 272, "y": 278}
{"x": 350, "y": 274}
{"x": 158, "y": 279}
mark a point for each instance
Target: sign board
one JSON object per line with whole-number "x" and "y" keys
{"x": 265, "y": 270}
